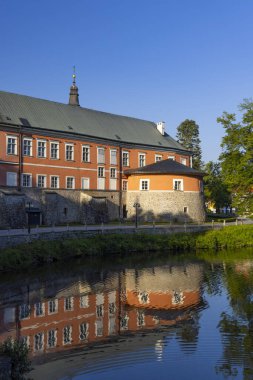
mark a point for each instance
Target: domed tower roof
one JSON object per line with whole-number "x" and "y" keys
{"x": 73, "y": 94}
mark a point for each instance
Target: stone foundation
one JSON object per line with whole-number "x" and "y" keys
{"x": 175, "y": 206}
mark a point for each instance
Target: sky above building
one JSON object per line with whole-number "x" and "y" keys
{"x": 167, "y": 60}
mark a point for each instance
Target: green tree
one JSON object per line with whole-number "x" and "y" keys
{"x": 215, "y": 189}
{"x": 237, "y": 156}
{"x": 188, "y": 136}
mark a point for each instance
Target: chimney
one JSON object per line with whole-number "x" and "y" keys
{"x": 161, "y": 127}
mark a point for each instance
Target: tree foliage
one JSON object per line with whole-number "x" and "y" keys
{"x": 188, "y": 136}
{"x": 237, "y": 156}
{"x": 215, "y": 189}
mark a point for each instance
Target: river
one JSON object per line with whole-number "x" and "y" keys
{"x": 151, "y": 317}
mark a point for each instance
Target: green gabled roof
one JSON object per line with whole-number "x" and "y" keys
{"x": 58, "y": 117}
{"x": 166, "y": 167}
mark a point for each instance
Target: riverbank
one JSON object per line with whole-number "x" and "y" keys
{"x": 40, "y": 252}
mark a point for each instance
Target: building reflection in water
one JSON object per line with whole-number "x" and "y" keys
{"x": 65, "y": 313}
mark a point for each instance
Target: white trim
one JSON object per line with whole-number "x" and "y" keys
{"x": 158, "y": 155}
{"x": 73, "y": 152}
{"x": 28, "y": 139}
{"x": 144, "y": 180}
{"x": 171, "y": 158}
{"x": 85, "y": 146}
{"x": 58, "y": 151}
{"x": 66, "y": 181}
{"x": 178, "y": 180}
{"x": 54, "y": 175}
{"x": 103, "y": 161}
{"x": 113, "y": 150}
{"x": 56, "y": 166}
{"x": 139, "y": 163}
{"x": 22, "y": 176}
{"x": 87, "y": 188}
{"x": 128, "y": 158}
{"x": 37, "y": 177}
{"x": 15, "y": 147}
{"x": 44, "y": 141}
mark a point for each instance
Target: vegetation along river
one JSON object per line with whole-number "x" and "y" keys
{"x": 187, "y": 316}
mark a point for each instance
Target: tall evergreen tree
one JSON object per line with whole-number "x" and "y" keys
{"x": 188, "y": 136}
{"x": 237, "y": 156}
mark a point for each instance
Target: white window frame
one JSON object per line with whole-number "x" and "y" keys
{"x": 127, "y": 155}
{"x": 100, "y": 157}
{"x": 44, "y": 148}
{"x": 73, "y": 182}
{"x": 142, "y": 159}
{"x": 39, "y": 340}
{"x": 45, "y": 179}
{"x": 57, "y": 151}
{"x": 39, "y": 309}
{"x": 175, "y": 187}
{"x": 183, "y": 161}
{"x": 113, "y": 170}
{"x": 55, "y": 303}
{"x": 142, "y": 188}
{"x": 67, "y": 331}
{"x": 88, "y": 181}
{"x": 171, "y": 158}
{"x": 158, "y": 157}
{"x": 31, "y": 178}
{"x": 124, "y": 182}
{"x": 69, "y": 303}
{"x": 113, "y": 159}
{"x": 51, "y": 334}
{"x": 58, "y": 182}
{"x": 30, "y": 147}
{"x": 86, "y": 153}
{"x": 101, "y": 168}
{"x": 13, "y": 145}
{"x": 72, "y": 151}
{"x": 83, "y": 333}
{"x": 84, "y": 301}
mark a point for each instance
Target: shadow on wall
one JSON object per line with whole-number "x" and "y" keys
{"x": 56, "y": 207}
{"x": 150, "y": 216}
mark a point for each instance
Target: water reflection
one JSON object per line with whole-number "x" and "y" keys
{"x": 93, "y": 307}
{"x": 191, "y": 318}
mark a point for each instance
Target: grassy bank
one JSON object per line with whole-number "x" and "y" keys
{"x": 40, "y": 252}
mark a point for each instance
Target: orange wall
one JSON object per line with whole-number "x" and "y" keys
{"x": 163, "y": 182}
{"x": 73, "y": 168}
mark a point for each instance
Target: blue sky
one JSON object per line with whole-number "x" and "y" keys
{"x": 152, "y": 59}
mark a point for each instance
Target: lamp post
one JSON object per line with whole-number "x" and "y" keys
{"x": 136, "y": 205}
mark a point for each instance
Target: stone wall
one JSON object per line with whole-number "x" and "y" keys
{"x": 166, "y": 206}
{"x": 58, "y": 206}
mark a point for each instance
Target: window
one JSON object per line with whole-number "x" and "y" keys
{"x": 144, "y": 184}
{"x": 69, "y": 152}
{"x": 68, "y": 303}
{"x": 124, "y": 322}
{"x": 140, "y": 318}
{"x": 39, "y": 309}
{"x": 38, "y": 341}
{"x": 83, "y": 331}
{"x": 183, "y": 160}
{"x": 178, "y": 184}
{"x": 101, "y": 155}
{"x": 113, "y": 173}
{"x": 112, "y": 308}
{"x": 26, "y": 180}
{"x": 11, "y": 145}
{"x": 54, "y": 182}
{"x": 124, "y": 185}
{"x": 86, "y": 153}
{"x": 54, "y": 150}
{"x": 177, "y": 298}
{"x": 41, "y": 180}
{"x": 143, "y": 297}
{"x": 101, "y": 171}
{"x": 24, "y": 311}
{"x": 84, "y": 301}
{"x": 11, "y": 179}
{"x": 142, "y": 159}
{"x": 185, "y": 210}
{"x": 70, "y": 182}
{"x": 52, "y": 306}
{"x": 51, "y": 338}
{"x": 125, "y": 158}
{"x": 67, "y": 335}
{"x": 85, "y": 183}
{"x": 41, "y": 149}
{"x": 113, "y": 157}
{"x": 99, "y": 310}
{"x": 99, "y": 328}
{"x": 171, "y": 158}
{"x": 158, "y": 157}
{"x": 27, "y": 147}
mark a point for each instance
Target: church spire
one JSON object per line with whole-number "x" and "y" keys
{"x": 73, "y": 95}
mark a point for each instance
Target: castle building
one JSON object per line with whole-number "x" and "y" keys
{"x": 75, "y": 164}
